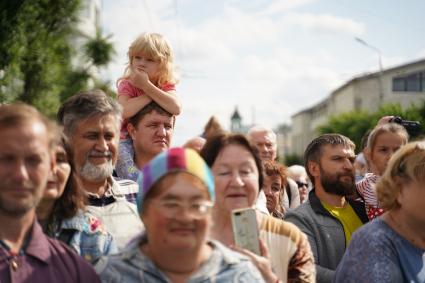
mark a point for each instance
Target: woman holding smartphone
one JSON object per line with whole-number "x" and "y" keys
{"x": 175, "y": 199}
{"x": 285, "y": 252}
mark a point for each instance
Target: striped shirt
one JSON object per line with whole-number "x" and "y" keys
{"x": 128, "y": 188}
{"x": 366, "y": 189}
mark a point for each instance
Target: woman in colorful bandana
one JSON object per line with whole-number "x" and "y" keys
{"x": 175, "y": 200}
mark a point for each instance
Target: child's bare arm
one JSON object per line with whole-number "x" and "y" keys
{"x": 133, "y": 105}
{"x": 167, "y": 100}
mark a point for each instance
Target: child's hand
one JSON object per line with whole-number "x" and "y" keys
{"x": 139, "y": 78}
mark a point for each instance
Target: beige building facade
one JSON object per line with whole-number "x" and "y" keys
{"x": 89, "y": 21}
{"x": 404, "y": 84}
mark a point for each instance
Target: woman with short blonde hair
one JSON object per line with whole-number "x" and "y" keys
{"x": 392, "y": 247}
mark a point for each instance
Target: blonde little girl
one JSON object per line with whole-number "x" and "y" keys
{"x": 383, "y": 142}
{"x": 149, "y": 76}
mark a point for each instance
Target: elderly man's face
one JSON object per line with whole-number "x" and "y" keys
{"x": 25, "y": 164}
{"x": 152, "y": 134}
{"x": 265, "y": 143}
{"x": 94, "y": 144}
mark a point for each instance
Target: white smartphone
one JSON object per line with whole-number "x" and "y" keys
{"x": 245, "y": 229}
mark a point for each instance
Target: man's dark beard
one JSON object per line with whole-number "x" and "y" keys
{"x": 332, "y": 184}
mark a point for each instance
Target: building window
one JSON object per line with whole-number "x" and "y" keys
{"x": 423, "y": 81}
{"x": 399, "y": 84}
{"x": 414, "y": 82}
{"x": 410, "y": 83}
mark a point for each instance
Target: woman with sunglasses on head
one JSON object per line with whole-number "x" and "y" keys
{"x": 175, "y": 200}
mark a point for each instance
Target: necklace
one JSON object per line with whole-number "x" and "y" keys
{"x": 11, "y": 257}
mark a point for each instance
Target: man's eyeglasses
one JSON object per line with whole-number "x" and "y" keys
{"x": 172, "y": 208}
{"x": 301, "y": 184}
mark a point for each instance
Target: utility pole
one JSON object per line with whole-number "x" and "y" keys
{"x": 381, "y": 70}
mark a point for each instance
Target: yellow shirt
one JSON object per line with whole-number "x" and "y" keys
{"x": 346, "y": 215}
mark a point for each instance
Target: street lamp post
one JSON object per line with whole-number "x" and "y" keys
{"x": 381, "y": 71}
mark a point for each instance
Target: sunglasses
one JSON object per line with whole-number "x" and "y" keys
{"x": 301, "y": 184}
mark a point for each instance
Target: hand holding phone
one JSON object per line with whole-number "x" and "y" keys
{"x": 246, "y": 235}
{"x": 245, "y": 229}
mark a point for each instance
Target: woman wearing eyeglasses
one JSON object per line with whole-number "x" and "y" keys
{"x": 175, "y": 200}
{"x": 392, "y": 247}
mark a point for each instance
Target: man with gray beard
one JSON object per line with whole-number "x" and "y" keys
{"x": 328, "y": 218}
{"x": 91, "y": 120}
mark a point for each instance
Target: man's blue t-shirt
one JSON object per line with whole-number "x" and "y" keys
{"x": 378, "y": 254}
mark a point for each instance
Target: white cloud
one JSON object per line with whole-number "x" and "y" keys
{"x": 324, "y": 23}
{"x": 239, "y": 29}
{"x": 283, "y": 6}
{"x": 200, "y": 48}
{"x": 421, "y": 54}
{"x": 262, "y": 55}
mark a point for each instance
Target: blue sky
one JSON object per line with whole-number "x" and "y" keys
{"x": 271, "y": 58}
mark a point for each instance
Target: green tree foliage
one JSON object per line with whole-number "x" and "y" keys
{"x": 34, "y": 51}
{"x": 98, "y": 52}
{"x": 99, "y": 49}
{"x": 356, "y": 123}
{"x": 351, "y": 124}
{"x": 293, "y": 159}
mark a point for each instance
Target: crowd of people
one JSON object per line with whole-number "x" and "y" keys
{"x": 100, "y": 195}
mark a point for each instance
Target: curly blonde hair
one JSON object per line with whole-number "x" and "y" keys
{"x": 156, "y": 47}
{"x": 406, "y": 165}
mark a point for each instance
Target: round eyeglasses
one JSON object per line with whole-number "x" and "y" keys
{"x": 172, "y": 208}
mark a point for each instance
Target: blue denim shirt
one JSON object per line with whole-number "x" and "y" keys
{"x": 131, "y": 265}
{"x": 90, "y": 238}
